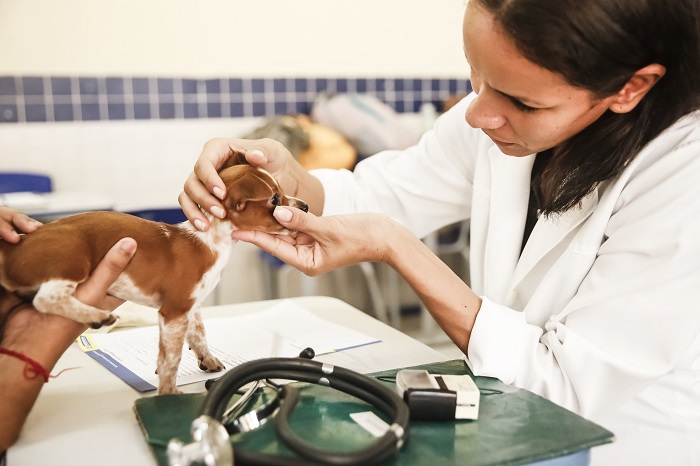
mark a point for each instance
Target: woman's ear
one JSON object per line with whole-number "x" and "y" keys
{"x": 636, "y": 88}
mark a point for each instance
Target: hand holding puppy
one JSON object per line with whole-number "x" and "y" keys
{"x": 12, "y": 220}
{"x": 326, "y": 243}
{"x": 45, "y": 337}
{"x": 205, "y": 190}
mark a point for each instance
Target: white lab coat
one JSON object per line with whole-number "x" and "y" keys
{"x": 601, "y": 312}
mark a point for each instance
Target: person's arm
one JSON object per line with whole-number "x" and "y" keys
{"x": 450, "y": 301}
{"x": 44, "y": 338}
{"x": 328, "y": 243}
{"x": 205, "y": 188}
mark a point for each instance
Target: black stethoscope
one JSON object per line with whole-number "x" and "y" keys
{"x": 211, "y": 430}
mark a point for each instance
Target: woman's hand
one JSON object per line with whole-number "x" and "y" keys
{"x": 27, "y": 326}
{"x": 321, "y": 244}
{"x": 11, "y": 221}
{"x": 205, "y": 188}
{"x": 45, "y": 337}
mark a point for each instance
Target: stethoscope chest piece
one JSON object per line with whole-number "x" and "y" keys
{"x": 210, "y": 446}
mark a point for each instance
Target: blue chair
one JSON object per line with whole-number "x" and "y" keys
{"x": 13, "y": 182}
{"x": 172, "y": 216}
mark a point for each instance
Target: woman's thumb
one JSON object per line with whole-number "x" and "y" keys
{"x": 294, "y": 219}
{"x": 92, "y": 291}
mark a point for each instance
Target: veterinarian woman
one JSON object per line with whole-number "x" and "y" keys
{"x": 579, "y": 168}
{"x": 31, "y": 342}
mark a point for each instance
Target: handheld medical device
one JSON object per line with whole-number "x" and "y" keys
{"x": 435, "y": 397}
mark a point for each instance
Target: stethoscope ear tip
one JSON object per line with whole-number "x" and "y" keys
{"x": 307, "y": 353}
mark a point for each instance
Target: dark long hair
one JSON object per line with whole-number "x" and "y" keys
{"x": 598, "y": 45}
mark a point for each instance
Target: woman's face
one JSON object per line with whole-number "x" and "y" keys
{"x": 521, "y": 106}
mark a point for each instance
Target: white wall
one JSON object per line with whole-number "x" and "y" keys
{"x": 413, "y": 38}
{"x": 136, "y": 164}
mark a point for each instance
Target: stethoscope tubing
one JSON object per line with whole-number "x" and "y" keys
{"x": 303, "y": 370}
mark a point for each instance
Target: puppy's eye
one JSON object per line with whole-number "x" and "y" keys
{"x": 275, "y": 199}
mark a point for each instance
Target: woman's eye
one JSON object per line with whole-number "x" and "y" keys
{"x": 522, "y": 107}
{"x": 275, "y": 199}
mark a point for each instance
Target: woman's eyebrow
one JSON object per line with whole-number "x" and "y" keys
{"x": 522, "y": 100}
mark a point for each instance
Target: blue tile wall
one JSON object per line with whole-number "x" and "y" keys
{"x": 84, "y": 98}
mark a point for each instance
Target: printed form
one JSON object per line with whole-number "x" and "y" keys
{"x": 280, "y": 331}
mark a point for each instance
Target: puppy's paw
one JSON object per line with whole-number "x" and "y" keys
{"x": 169, "y": 391}
{"x": 167, "y": 382}
{"x": 109, "y": 320}
{"x": 211, "y": 364}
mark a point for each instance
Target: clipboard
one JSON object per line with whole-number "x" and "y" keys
{"x": 514, "y": 426}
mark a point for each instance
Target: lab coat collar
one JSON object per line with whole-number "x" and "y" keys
{"x": 510, "y": 191}
{"x": 550, "y": 232}
{"x": 504, "y": 265}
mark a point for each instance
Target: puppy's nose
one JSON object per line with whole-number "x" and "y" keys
{"x": 304, "y": 206}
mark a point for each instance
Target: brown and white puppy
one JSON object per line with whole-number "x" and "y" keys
{"x": 175, "y": 266}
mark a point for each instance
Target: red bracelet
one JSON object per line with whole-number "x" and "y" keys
{"x": 32, "y": 369}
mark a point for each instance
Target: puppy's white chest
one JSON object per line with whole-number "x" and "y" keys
{"x": 211, "y": 278}
{"x": 125, "y": 288}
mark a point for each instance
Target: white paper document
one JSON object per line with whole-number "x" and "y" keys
{"x": 282, "y": 330}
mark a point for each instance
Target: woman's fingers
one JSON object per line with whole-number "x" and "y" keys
{"x": 281, "y": 246}
{"x": 307, "y": 249}
{"x": 195, "y": 194}
{"x": 12, "y": 220}
{"x": 218, "y": 153}
{"x": 206, "y": 170}
{"x": 204, "y": 187}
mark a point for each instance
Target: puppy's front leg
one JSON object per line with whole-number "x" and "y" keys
{"x": 172, "y": 337}
{"x": 196, "y": 338}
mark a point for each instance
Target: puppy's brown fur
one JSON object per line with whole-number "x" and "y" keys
{"x": 174, "y": 268}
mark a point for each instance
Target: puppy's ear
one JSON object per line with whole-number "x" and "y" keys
{"x": 238, "y": 158}
{"x": 243, "y": 186}
{"x": 236, "y": 205}
{"x": 235, "y": 201}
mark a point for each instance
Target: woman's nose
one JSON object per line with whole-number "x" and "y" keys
{"x": 483, "y": 114}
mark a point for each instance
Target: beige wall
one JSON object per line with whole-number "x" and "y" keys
{"x": 416, "y": 38}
